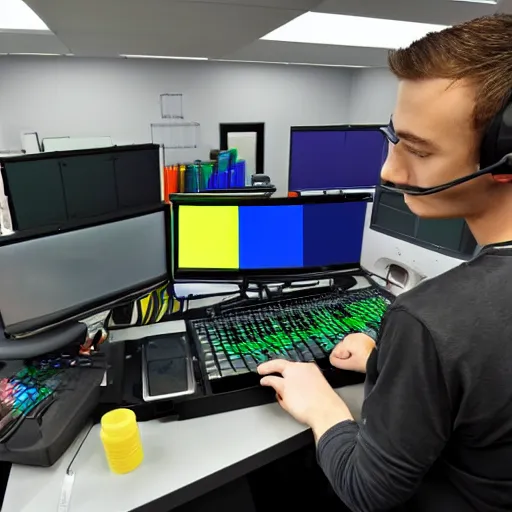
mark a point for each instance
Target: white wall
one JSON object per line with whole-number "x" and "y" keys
{"x": 120, "y": 98}
{"x": 372, "y": 96}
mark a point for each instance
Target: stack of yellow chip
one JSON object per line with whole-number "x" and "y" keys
{"x": 121, "y": 440}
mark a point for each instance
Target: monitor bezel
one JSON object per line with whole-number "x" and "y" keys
{"x": 34, "y": 326}
{"x": 327, "y": 128}
{"x": 239, "y": 275}
{"x": 445, "y": 251}
{"x": 58, "y": 155}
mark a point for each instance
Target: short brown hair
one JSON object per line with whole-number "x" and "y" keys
{"x": 479, "y": 51}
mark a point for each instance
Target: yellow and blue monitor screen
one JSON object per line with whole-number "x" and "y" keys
{"x": 269, "y": 236}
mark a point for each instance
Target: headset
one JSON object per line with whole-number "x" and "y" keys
{"x": 495, "y": 156}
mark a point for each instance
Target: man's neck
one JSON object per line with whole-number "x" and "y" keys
{"x": 494, "y": 224}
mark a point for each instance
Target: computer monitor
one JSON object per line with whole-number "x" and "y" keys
{"x": 52, "y": 189}
{"x": 234, "y": 237}
{"x": 47, "y": 278}
{"x": 330, "y": 157}
{"x": 391, "y": 216}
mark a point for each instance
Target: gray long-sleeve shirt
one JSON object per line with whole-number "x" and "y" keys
{"x": 436, "y": 431}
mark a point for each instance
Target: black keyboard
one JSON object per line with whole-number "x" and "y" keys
{"x": 297, "y": 329}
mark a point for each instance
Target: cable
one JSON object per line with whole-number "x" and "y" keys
{"x": 209, "y": 295}
{"x": 75, "y": 455}
{"x": 385, "y": 279}
{"x": 69, "y": 477}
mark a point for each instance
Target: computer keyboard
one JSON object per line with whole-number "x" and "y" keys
{"x": 44, "y": 404}
{"x": 25, "y": 388}
{"x": 299, "y": 329}
{"x": 24, "y": 391}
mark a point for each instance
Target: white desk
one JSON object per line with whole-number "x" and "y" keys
{"x": 183, "y": 460}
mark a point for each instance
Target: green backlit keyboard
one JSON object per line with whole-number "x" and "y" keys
{"x": 299, "y": 329}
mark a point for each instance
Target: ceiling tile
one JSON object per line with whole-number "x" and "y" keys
{"x": 157, "y": 16}
{"x": 168, "y": 28}
{"x": 305, "y": 5}
{"x": 505, "y": 6}
{"x": 222, "y": 28}
{"x": 273, "y": 51}
{"x": 23, "y": 42}
{"x": 444, "y": 12}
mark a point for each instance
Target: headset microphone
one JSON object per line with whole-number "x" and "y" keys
{"x": 501, "y": 171}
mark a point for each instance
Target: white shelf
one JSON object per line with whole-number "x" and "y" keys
{"x": 176, "y": 134}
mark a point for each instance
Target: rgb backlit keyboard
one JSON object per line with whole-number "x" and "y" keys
{"x": 24, "y": 391}
{"x": 300, "y": 329}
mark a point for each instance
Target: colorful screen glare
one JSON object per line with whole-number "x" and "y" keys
{"x": 269, "y": 237}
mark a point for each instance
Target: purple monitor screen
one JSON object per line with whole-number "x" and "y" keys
{"x": 336, "y": 158}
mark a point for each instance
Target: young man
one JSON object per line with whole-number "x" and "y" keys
{"x": 436, "y": 433}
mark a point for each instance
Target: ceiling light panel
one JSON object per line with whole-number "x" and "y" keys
{"x": 17, "y": 15}
{"x": 341, "y": 30}
{"x": 162, "y": 57}
{"x": 37, "y": 54}
{"x": 488, "y": 2}
{"x": 288, "y": 63}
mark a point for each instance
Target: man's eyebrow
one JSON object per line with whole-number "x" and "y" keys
{"x": 415, "y": 139}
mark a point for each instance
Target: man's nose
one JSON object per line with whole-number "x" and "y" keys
{"x": 394, "y": 169}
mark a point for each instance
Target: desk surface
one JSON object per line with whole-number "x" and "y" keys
{"x": 183, "y": 460}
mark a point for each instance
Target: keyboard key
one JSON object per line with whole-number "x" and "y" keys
{"x": 229, "y": 372}
{"x": 239, "y": 366}
{"x": 251, "y": 363}
{"x": 318, "y": 353}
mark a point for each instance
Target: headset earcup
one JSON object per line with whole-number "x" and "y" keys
{"x": 488, "y": 149}
{"x": 497, "y": 140}
{"x": 504, "y": 143}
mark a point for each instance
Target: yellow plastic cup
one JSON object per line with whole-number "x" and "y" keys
{"x": 121, "y": 440}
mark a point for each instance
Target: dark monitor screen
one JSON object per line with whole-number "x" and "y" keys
{"x": 391, "y": 216}
{"x": 336, "y": 157}
{"x": 51, "y": 189}
{"x": 47, "y": 278}
{"x": 267, "y": 236}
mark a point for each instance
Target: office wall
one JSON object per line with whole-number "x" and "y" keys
{"x": 120, "y": 98}
{"x": 372, "y": 96}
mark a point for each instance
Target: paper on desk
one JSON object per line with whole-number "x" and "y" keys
{"x": 65, "y": 493}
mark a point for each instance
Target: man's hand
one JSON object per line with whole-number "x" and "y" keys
{"x": 352, "y": 353}
{"x": 303, "y": 392}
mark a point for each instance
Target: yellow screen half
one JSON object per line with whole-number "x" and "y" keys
{"x": 208, "y": 237}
